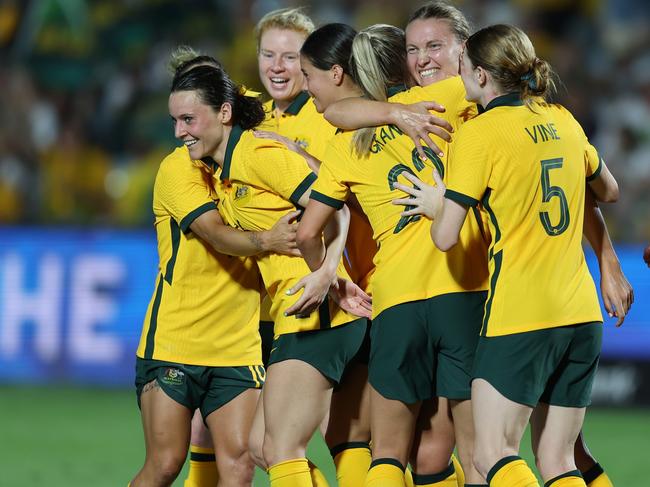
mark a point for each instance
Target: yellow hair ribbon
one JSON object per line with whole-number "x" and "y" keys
{"x": 248, "y": 93}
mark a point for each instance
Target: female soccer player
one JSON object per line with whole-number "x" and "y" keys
{"x": 408, "y": 335}
{"x": 527, "y": 162}
{"x": 196, "y": 352}
{"x": 258, "y": 179}
{"x": 434, "y": 36}
{"x": 292, "y": 118}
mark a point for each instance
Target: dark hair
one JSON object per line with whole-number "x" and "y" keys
{"x": 329, "y": 45}
{"x": 214, "y": 87}
{"x": 505, "y": 51}
{"x": 444, "y": 11}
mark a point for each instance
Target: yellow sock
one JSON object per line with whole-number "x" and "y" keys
{"x": 460, "y": 475}
{"x": 408, "y": 477}
{"x": 291, "y": 473}
{"x": 203, "y": 468}
{"x": 596, "y": 477}
{"x": 446, "y": 478}
{"x": 569, "y": 479}
{"x": 385, "y": 472}
{"x": 352, "y": 461}
{"x": 511, "y": 472}
{"x": 317, "y": 477}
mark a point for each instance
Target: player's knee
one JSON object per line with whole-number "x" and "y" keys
{"x": 167, "y": 466}
{"x": 551, "y": 461}
{"x": 276, "y": 451}
{"x": 255, "y": 450}
{"x": 239, "y": 467}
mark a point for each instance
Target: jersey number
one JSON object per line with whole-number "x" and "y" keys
{"x": 419, "y": 165}
{"x": 549, "y": 191}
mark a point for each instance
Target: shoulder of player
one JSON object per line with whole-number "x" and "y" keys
{"x": 177, "y": 163}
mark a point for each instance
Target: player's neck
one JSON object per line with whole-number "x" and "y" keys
{"x": 220, "y": 153}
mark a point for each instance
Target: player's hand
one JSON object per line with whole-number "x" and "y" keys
{"x": 646, "y": 255}
{"x": 281, "y": 238}
{"x": 287, "y": 142}
{"x": 616, "y": 291}
{"x": 417, "y": 121}
{"x": 423, "y": 199}
{"x": 315, "y": 287}
{"x": 351, "y": 298}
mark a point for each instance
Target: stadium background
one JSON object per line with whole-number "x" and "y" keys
{"x": 83, "y": 126}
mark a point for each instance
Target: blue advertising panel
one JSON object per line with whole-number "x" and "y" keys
{"x": 72, "y": 304}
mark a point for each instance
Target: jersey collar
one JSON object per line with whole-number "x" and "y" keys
{"x": 211, "y": 163}
{"x": 297, "y": 103}
{"x": 235, "y": 135}
{"x": 394, "y": 90}
{"x": 507, "y": 100}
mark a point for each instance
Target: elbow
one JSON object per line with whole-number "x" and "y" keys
{"x": 612, "y": 194}
{"x": 305, "y": 237}
{"x": 445, "y": 244}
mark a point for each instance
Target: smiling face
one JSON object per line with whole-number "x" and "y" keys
{"x": 196, "y": 124}
{"x": 321, "y": 84}
{"x": 279, "y": 64}
{"x": 432, "y": 50}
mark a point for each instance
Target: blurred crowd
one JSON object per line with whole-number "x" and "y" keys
{"x": 84, "y": 85}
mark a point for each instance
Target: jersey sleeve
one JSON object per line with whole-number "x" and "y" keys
{"x": 329, "y": 187}
{"x": 469, "y": 169}
{"x": 593, "y": 163}
{"x": 183, "y": 192}
{"x": 284, "y": 172}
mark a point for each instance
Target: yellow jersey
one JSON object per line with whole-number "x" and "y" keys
{"x": 205, "y": 308}
{"x": 260, "y": 181}
{"x": 302, "y": 123}
{"x": 408, "y": 266}
{"x": 528, "y": 168}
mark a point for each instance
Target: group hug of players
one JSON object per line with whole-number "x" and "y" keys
{"x": 410, "y": 208}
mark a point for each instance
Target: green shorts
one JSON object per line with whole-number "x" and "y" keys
{"x": 329, "y": 350}
{"x": 266, "y": 334}
{"x": 195, "y": 386}
{"x": 423, "y": 349}
{"x": 555, "y": 366}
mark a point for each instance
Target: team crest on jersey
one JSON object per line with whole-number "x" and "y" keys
{"x": 302, "y": 143}
{"x": 173, "y": 377}
{"x": 241, "y": 192}
{"x": 242, "y": 195}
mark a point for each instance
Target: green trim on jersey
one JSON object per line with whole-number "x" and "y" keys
{"x": 297, "y": 103}
{"x": 597, "y": 171}
{"x": 194, "y": 214}
{"x": 235, "y": 135}
{"x": 498, "y": 259}
{"x": 507, "y": 100}
{"x": 302, "y": 187}
{"x": 394, "y": 90}
{"x": 176, "y": 240}
{"x": 210, "y": 163}
{"x": 326, "y": 200}
{"x": 153, "y": 321}
{"x": 461, "y": 198}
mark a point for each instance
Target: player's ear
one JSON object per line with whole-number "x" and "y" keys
{"x": 225, "y": 113}
{"x": 337, "y": 74}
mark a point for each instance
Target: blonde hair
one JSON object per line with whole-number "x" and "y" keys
{"x": 506, "y": 52}
{"x": 184, "y": 58}
{"x": 287, "y": 19}
{"x": 378, "y": 62}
